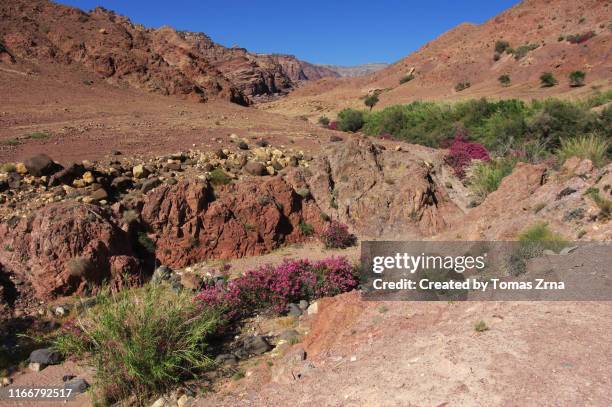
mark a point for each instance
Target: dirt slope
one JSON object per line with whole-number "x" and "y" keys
{"x": 466, "y": 54}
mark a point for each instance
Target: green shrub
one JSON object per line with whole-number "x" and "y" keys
{"x": 350, "y": 120}
{"x": 501, "y": 46}
{"x": 37, "y": 136}
{"x": 371, "y": 100}
{"x": 504, "y": 80}
{"x": 406, "y": 78}
{"x": 538, "y": 237}
{"x": 219, "y": 177}
{"x": 305, "y": 228}
{"x": 592, "y": 147}
{"x": 485, "y": 177}
{"x": 146, "y": 242}
{"x": 604, "y": 204}
{"x": 324, "y": 121}
{"x": 481, "y": 326}
{"x": 547, "y": 79}
{"x": 523, "y": 50}
{"x": 141, "y": 343}
{"x": 462, "y": 86}
{"x": 577, "y": 78}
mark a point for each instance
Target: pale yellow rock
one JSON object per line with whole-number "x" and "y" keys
{"x": 270, "y": 170}
{"x": 21, "y": 168}
{"x": 78, "y": 183}
{"x": 139, "y": 171}
{"x": 88, "y": 178}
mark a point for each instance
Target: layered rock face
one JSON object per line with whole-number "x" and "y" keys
{"x": 161, "y": 60}
{"x": 68, "y": 248}
{"x": 379, "y": 192}
{"x": 192, "y": 222}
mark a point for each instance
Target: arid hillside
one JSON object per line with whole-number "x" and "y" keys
{"x": 557, "y": 36}
{"x": 161, "y": 60}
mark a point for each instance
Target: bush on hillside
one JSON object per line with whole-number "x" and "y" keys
{"x": 577, "y": 78}
{"x": 337, "y": 236}
{"x": 580, "y": 38}
{"x": 504, "y": 80}
{"x": 501, "y": 46}
{"x": 592, "y": 147}
{"x": 462, "y": 86}
{"x": 141, "y": 342}
{"x": 324, "y": 121}
{"x": 485, "y": 177}
{"x": 523, "y": 50}
{"x": 333, "y": 125}
{"x": 350, "y": 120}
{"x": 463, "y": 152}
{"x": 547, "y": 79}
{"x": 272, "y": 288}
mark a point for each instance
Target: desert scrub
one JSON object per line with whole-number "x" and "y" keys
{"x": 305, "y": 228}
{"x": 146, "y": 242}
{"x": 481, "y": 326}
{"x": 406, "y": 78}
{"x": 324, "y": 121}
{"x": 219, "y": 177}
{"x": 37, "y": 136}
{"x": 547, "y": 80}
{"x": 271, "y": 288}
{"x": 350, "y": 120}
{"x": 593, "y": 147}
{"x": 539, "y": 237}
{"x": 462, "y": 86}
{"x": 141, "y": 342}
{"x": 504, "y": 80}
{"x": 485, "y": 177}
{"x": 576, "y": 78}
{"x": 337, "y": 236}
{"x": 604, "y": 204}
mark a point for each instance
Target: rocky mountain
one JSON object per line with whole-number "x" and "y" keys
{"x": 161, "y": 60}
{"x": 523, "y": 42}
{"x": 357, "y": 70}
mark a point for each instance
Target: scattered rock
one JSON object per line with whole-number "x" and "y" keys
{"x": 150, "y": 184}
{"x": 191, "y": 281}
{"x": 254, "y": 345}
{"x": 226, "y": 359}
{"x": 293, "y": 310}
{"x": 77, "y": 385}
{"x": 313, "y": 308}
{"x": 140, "y": 171}
{"x": 334, "y": 139}
{"x": 45, "y": 356}
{"x": 41, "y": 164}
{"x": 243, "y": 145}
{"x": 162, "y": 273}
{"x": 289, "y": 335}
{"x": 99, "y": 194}
{"x": 303, "y": 305}
{"x": 255, "y": 168}
{"x": 565, "y": 192}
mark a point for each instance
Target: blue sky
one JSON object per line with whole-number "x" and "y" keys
{"x": 326, "y": 32}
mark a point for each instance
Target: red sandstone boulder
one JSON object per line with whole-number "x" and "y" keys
{"x": 193, "y": 223}
{"x": 67, "y": 248}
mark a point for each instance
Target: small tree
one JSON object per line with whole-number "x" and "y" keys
{"x": 371, "y": 100}
{"x": 504, "y": 80}
{"x": 547, "y": 80}
{"x": 577, "y": 78}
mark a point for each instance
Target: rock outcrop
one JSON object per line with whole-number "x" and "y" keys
{"x": 68, "y": 248}
{"x": 379, "y": 192}
{"x": 191, "y": 222}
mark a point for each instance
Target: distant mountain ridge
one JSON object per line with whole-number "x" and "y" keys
{"x": 357, "y": 70}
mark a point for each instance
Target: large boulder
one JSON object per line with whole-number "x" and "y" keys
{"x": 379, "y": 192}
{"x": 67, "y": 248}
{"x": 194, "y": 223}
{"x": 41, "y": 164}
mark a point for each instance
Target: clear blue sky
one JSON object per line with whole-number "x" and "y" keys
{"x": 320, "y": 31}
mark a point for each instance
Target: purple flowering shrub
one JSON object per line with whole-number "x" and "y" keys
{"x": 462, "y": 152}
{"x": 333, "y": 125}
{"x": 337, "y": 236}
{"x": 274, "y": 287}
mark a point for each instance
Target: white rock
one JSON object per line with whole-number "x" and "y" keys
{"x": 313, "y": 308}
